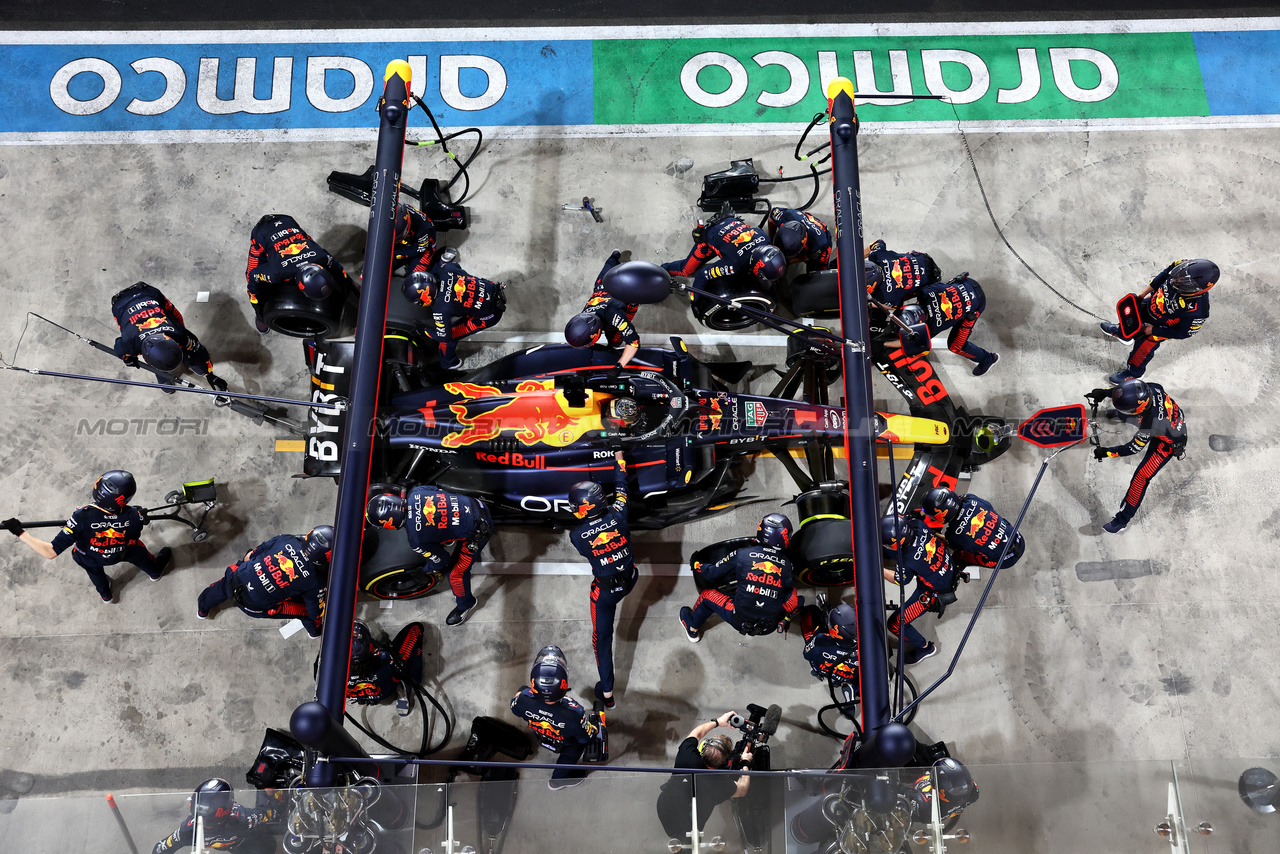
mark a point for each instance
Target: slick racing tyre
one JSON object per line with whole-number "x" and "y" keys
{"x": 816, "y": 294}
{"x": 390, "y": 569}
{"x": 402, "y": 582}
{"x": 822, "y": 553}
{"x": 707, "y": 555}
{"x": 290, "y": 312}
{"x": 723, "y": 318}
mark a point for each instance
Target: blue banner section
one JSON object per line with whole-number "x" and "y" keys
{"x": 254, "y": 86}
{"x": 1241, "y": 72}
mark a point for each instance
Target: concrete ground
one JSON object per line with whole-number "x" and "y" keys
{"x": 1154, "y": 645}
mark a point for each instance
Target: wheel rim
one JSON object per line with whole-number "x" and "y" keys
{"x": 402, "y": 583}
{"x": 724, "y": 319}
{"x": 835, "y": 575}
{"x": 299, "y": 326}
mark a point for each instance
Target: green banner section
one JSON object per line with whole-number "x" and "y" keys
{"x": 1002, "y": 78}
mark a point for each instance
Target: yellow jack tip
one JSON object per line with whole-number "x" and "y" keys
{"x": 838, "y": 85}
{"x": 400, "y": 68}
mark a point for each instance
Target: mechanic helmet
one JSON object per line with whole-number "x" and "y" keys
{"x": 317, "y": 545}
{"x": 385, "y": 510}
{"x": 621, "y": 412}
{"x": 911, "y": 314}
{"x": 790, "y": 238}
{"x": 892, "y": 529}
{"x": 586, "y": 498}
{"x": 842, "y": 624}
{"x": 314, "y": 281}
{"x": 1131, "y": 397}
{"x": 774, "y": 530}
{"x": 114, "y": 489}
{"x": 582, "y": 330}
{"x": 715, "y": 750}
{"x": 420, "y": 287}
{"x": 549, "y": 677}
{"x": 213, "y": 800}
{"x": 873, "y": 274}
{"x": 1194, "y": 276}
{"x": 402, "y": 222}
{"x": 767, "y": 263}
{"x": 361, "y": 647}
{"x": 162, "y": 352}
{"x": 940, "y": 501}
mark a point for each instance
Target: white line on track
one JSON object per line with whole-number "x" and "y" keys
{"x": 704, "y": 339}
{"x": 571, "y": 568}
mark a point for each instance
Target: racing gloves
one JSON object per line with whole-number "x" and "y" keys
{"x": 216, "y": 382}
{"x": 13, "y": 526}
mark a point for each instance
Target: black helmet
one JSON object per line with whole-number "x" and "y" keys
{"x": 586, "y": 499}
{"x": 318, "y": 543}
{"x": 892, "y": 529}
{"x": 873, "y": 274}
{"x": 549, "y": 677}
{"x": 790, "y": 238}
{"x": 114, "y": 489}
{"x": 1194, "y": 276}
{"x": 955, "y": 784}
{"x": 420, "y": 287}
{"x": 622, "y": 411}
{"x": 162, "y": 352}
{"x": 582, "y": 330}
{"x": 1131, "y": 397}
{"x": 361, "y": 647}
{"x": 767, "y": 263}
{"x": 385, "y": 510}
{"x": 911, "y": 314}
{"x": 213, "y": 799}
{"x": 774, "y": 530}
{"x": 402, "y": 221}
{"x": 314, "y": 281}
{"x": 940, "y": 500}
{"x": 842, "y": 624}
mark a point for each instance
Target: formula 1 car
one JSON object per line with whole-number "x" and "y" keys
{"x": 520, "y": 431}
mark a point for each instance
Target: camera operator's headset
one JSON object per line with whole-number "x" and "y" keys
{"x": 712, "y": 743}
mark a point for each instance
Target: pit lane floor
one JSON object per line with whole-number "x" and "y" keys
{"x": 1152, "y": 645}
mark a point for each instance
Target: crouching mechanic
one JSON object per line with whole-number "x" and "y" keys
{"x": 902, "y": 274}
{"x": 379, "y": 670}
{"x": 603, "y": 537}
{"x": 921, "y": 555}
{"x": 738, "y": 249}
{"x": 1175, "y": 304}
{"x": 461, "y": 304}
{"x": 102, "y": 534}
{"x": 954, "y": 305}
{"x": 284, "y": 577}
{"x": 415, "y": 245}
{"x": 605, "y": 314}
{"x": 972, "y": 527}
{"x": 764, "y": 598}
{"x": 226, "y": 825}
{"x": 1162, "y": 431}
{"x": 802, "y": 237}
{"x": 701, "y": 750}
{"x": 560, "y": 722}
{"x": 281, "y": 253}
{"x": 151, "y": 328}
{"x": 831, "y": 643}
{"x": 433, "y": 517}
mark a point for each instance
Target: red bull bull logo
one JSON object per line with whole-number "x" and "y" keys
{"x": 429, "y": 514}
{"x": 545, "y": 730}
{"x": 930, "y": 549}
{"x": 293, "y": 249}
{"x": 976, "y": 523}
{"x": 741, "y": 238}
{"x": 149, "y": 323}
{"x": 605, "y": 537}
{"x": 764, "y": 572}
{"x": 459, "y": 288}
{"x": 535, "y": 414}
{"x": 947, "y": 306}
{"x": 287, "y": 567}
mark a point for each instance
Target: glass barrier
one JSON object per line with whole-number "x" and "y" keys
{"x": 59, "y": 825}
{"x": 1231, "y": 805}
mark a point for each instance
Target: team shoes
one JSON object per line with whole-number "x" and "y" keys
{"x": 985, "y": 363}
{"x": 163, "y": 558}
{"x": 686, "y": 614}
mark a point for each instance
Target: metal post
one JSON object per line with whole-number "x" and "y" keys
{"x": 357, "y": 455}
{"x": 860, "y": 451}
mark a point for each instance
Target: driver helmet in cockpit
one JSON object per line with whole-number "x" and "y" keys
{"x": 620, "y": 413}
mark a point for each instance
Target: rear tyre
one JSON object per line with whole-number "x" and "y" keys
{"x": 816, "y": 294}
{"x": 707, "y": 555}
{"x": 290, "y": 312}
{"x": 389, "y": 569}
{"x": 723, "y": 318}
{"x": 822, "y": 553}
{"x": 403, "y": 582}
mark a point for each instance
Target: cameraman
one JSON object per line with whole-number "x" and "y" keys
{"x": 701, "y": 750}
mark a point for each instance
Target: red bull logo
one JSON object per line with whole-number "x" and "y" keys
{"x": 293, "y": 249}
{"x": 945, "y": 303}
{"x": 535, "y": 413}
{"x": 605, "y": 537}
{"x": 976, "y": 523}
{"x": 149, "y": 323}
{"x": 545, "y": 730}
{"x": 459, "y": 288}
{"x": 766, "y": 566}
{"x": 742, "y": 237}
{"x": 429, "y": 514}
{"x": 716, "y": 415}
{"x": 896, "y": 273}
{"x": 287, "y": 567}
{"x": 930, "y": 549}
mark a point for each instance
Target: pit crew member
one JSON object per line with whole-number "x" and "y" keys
{"x": 102, "y": 534}
{"x": 701, "y": 750}
{"x": 902, "y": 273}
{"x": 560, "y": 722}
{"x": 226, "y": 824}
{"x": 378, "y": 670}
{"x": 954, "y": 305}
{"x": 415, "y": 245}
{"x": 152, "y": 328}
{"x": 972, "y": 527}
{"x": 802, "y": 237}
{"x": 461, "y": 304}
{"x": 831, "y": 643}
{"x": 1175, "y": 304}
{"x": 283, "y": 577}
{"x": 604, "y": 314}
{"x": 1162, "y": 432}
{"x": 922, "y": 555}
{"x": 281, "y": 253}
{"x": 739, "y": 250}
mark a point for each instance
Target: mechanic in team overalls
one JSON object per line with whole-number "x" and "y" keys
{"x": 560, "y": 722}
{"x": 922, "y": 555}
{"x": 972, "y": 527}
{"x": 281, "y": 253}
{"x": 377, "y": 669}
{"x": 433, "y": 517}
{"x": 738, "y": 250}
{"x": 802, "y": 237}
{"x": 227, "y": 826}
{"x": 1174, "y": 305}
{"x": 1162, "y": 431}
{"x": 461, "y": 304}
{"x": 603, "y": 537}
{"x": 954, "y": 305}
{"x": 102, "y": 534}
{"x": 283, "y": 577}
{"x": 765, "y": 598}
{"x": 604, "y": 314}
{"x": 152, "y": 328}
{"x": 902, "y": 274}
{"x": 415, "y": 245}
{"x": 831, "y": 643}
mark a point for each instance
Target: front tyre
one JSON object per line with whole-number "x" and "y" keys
{"x": 403, "y": 582}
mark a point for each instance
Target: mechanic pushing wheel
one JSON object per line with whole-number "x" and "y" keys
{"x": 433, "y": 517}
{"x": 102, "y": 534}
{"x": 151, "y": 328}
{"x": 802, "y": 237}
{"x": 764, "y": 598}
{"x": 283, "y": 577}
{"x": 461, "y": 304}
{"x": 605, "y": 314}
{"x": 560, "y": 722}
{"x": 1175, "y": 304}
{"x": 745, "y": 267}
{"x": 922, "y": 555}
{"x": 282, "y": 254}
{"x": 603, "y": 537}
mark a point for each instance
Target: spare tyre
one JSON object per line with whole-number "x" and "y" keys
{"x": 816, "y": 294}
{"x": 723, "y": 318}
{"x": 290, "y": 312}
{"x": 392, "y": 570}
{"x": 708, "y": 555}
{"x": 822, "y": 553}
